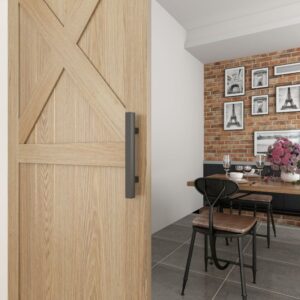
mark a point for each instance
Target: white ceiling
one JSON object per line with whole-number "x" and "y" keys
{"x": 196, "y": 13}
{"x": 211, "y": 23}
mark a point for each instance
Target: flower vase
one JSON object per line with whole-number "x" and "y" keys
{"x": 289, "y": 177}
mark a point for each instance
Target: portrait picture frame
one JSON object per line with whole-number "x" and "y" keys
{"x": 235, "y": 82}
{"x": 260, "y": 78}
{"x": 234, "y": 115}
{"x": 264, "y": 139}
{"x": 288, "y": 98}
{"x": 260, "y": 105}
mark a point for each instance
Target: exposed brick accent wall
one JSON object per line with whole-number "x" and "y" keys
{"x": 240, "y": 143}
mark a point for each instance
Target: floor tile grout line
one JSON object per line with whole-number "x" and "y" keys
{"x": 233, "y": 267}
{"x": 165, "y": 257}
{"x": 191, "y": 271}
{"x": 275, "y": 260}
{"x": 276, "y": 240}
{"x": 263, "y": 289}
{"x": 170, "y": 240}
{"x": 222, "y": 283}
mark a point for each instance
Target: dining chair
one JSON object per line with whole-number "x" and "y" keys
{"x": 256, "y": 200}
{"x": 215, "y": 224}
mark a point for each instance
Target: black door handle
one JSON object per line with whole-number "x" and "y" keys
{"x": 130, "y": 158}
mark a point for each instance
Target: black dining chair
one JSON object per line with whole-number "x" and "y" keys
{"x": 215, "y": 224}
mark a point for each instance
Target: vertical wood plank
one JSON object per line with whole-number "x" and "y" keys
{"x": 28, "y": 222}
{"x": 44, "y": 199}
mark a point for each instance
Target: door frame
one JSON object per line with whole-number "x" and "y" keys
{"x": 13, "y": 142}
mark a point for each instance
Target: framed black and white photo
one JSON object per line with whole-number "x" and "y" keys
{"x": 264, "y": 139}
{"x": 234, "y": 82}
{"x": 287, "y": 69}
{"x": 234, "y": 115}
{"x": 260, "y": 105}
{"x": 288, "y": 98}
{"x": 260, "y": 78}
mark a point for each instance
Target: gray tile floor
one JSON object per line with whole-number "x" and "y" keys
{"x": 278, "y": 274}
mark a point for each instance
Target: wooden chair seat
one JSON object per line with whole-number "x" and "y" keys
{"x": 223, "y": 222}
{"x": 260, "y": 198}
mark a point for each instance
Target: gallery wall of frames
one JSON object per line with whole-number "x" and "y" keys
{"x": 249, "y": 102}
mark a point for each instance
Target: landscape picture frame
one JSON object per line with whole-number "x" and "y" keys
{"x": 287, "y": 69}
{"x": 264, "y": 139}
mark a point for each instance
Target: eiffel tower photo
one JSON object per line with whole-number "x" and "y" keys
{"x": 233, "y": 121}
{"x": 260, "y": 105}
{"x": 289, "y": 102}
{"x": 260, "y": 78}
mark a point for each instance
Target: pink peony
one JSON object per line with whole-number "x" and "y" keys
{"x": 286, "y": 159}
{"x": 285, "y": 155}
{"x": 277, "y": 151}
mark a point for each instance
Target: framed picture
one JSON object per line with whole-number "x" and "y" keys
{"x": 234, "y": 115}
{"x": 264, "y": 139}
{"x": 234, "y": 82}
{"x": 260, "y": 78}
{"x": 288, "y": 98}
{"x": 260, "y": 105}
{"x": 287, "y": 69}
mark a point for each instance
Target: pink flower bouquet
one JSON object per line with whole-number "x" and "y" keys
{"x": 284, "y": 155}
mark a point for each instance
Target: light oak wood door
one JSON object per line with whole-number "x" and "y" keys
{"x": 76, "y": 67}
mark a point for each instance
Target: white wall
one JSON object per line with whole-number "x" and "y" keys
{"x": 3, "y": 149}
{"x": 177, "y": 121}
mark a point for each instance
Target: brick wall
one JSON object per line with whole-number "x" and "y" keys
{"x": 240, "y": 143}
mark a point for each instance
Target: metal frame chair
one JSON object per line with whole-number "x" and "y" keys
{"x": 213, "y": 191}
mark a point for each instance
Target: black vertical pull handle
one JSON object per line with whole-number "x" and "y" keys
{"x": 130, "y": 159}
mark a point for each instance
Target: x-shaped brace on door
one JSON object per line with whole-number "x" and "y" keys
{"x": 63, "y": 40}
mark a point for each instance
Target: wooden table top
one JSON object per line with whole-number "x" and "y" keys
{"x": 259, "y": 186}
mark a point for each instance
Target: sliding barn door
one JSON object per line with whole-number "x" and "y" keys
{"x": 76, "y": 67}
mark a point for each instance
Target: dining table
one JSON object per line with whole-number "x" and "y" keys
{"x": 260, "y": 185}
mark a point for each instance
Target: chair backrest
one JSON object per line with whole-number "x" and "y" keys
{"x": 215, "y": 190}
